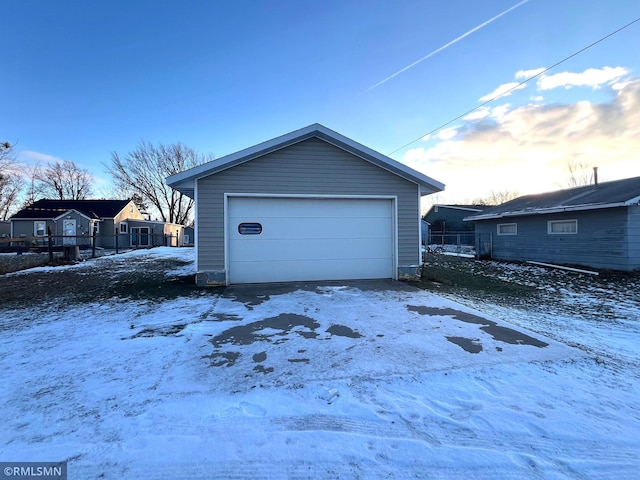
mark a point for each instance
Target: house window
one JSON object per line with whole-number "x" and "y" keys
{"x": 131, "y": 209}
{"x": 39, "y": 229}
{"x": 95, "y": 227}
{"x": 252, "y": 228}
{"x": 123, "y": 227}
{"x": 562, "y": 227}
{"x": 507, "y": 229}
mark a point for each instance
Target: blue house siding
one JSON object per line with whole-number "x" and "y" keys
{"x": 451, "y": 217}
{"x": 633, "y": 223}
{"x": 606, "y": 239}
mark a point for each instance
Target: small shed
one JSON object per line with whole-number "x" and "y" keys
{"x": 595, "y": 226}
{"x": 308, "y": 205}
{"x": 188, "y": 236}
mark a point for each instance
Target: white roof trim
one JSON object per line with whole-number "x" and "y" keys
{"x": 457, "y": 207}
{"x": 632, "y": 201}
{"x": 185, "y": 181}
{"x": 546, "y": 211}
{"x": 71, "y": 210}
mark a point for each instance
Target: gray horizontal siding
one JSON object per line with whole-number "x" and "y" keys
{"x": 25, "y": 228}
{"x": 602, "y": 240}
{"x": 306, "y": 168}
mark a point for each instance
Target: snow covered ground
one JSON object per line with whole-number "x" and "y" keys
{"x": 361, "y": 380}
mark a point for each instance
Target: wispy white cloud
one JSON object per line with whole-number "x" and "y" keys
{"x": 592, "y": 77}
{"x": 502, "y": 91}
{"x": 446, "y": 45}
{"x": 39, "y": 157}
{"x": 526, "y": 74}
{"x": 527, "y": 148}
{"x": 478, "y": 114}
{"x": 447, "y": 133}
{"x": 30, "y": 157}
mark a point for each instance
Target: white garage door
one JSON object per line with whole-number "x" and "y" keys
{"x": 291, "y": 239}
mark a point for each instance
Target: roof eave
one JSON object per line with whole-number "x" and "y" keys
{"x": 545, "y": 211}
{"x": 184, "y": 182}
{"x": 634, "y": 200}
{"x": 73, "y": 210}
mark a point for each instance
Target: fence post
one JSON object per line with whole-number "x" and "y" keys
{"x": 116, "y": 236}
{"x": 50, "y": 244}
{"x": 93, "y": 240}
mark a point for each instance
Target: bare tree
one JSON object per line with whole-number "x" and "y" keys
{"x": 34, "y": 189}
{"x": 143, "y": 172}
{"x": 496, "y": 197}
{"x": 64, "y": 180}
{"x": 11, "y": 181}
{"x": 580, "y": 173}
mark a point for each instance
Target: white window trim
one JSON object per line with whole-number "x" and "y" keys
{"x": 35, "y": 228}
{"x": 551, "y": 222}
{"x": 505, "y": 224}
{"x": 126, "y": 227}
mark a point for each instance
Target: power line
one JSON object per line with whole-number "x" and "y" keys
{"x": 518, "y": 85}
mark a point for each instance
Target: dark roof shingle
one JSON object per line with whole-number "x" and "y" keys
{"x": 605, "y": 194}
{"x": 54, "y": 208}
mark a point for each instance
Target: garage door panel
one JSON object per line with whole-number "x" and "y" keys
{"x": 307, "y": 207}
{"x": 278, "y": 228}
{"x": 310, "y": 239}
{"x": 257, "y": 272}
{"x": 315, "y": 248}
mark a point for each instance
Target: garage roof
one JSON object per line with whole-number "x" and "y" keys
{"x": 185, "y": 181}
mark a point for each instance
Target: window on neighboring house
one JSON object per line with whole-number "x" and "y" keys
{"x": 562, "y": 227}
{"x": 39, "y": 229}
{"x": 507, "y": 229}
{"x": 95, "y": 227}
{"x": 131, "y": 209}
{"x": 123, "y": 227}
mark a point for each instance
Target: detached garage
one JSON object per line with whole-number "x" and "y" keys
{"x": 309, "y": 205}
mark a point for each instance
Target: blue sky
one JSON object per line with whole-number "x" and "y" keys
{"x": 81, "y": 79}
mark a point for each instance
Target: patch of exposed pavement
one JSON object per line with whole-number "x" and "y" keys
{"x": 498, "y": 332}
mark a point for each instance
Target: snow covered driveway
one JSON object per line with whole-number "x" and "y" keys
{"x": 361, "y": 380}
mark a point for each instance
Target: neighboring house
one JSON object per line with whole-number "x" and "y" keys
{"x": 73, "y": 222}
{"x": 595, "y": 226}
{"x": 447, "y": 223}
{"x": 309, "y": 205}
{"x": 450, "y": 218}
{"x": 5, "y": 228}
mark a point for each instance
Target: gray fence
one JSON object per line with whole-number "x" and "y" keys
{"x": 56, "y": 243}
{"x": 465, "y": 238}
